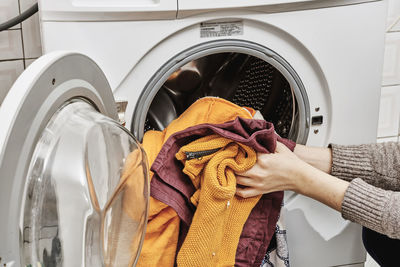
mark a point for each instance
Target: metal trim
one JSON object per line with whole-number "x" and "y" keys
{"x": 222, "y": 46}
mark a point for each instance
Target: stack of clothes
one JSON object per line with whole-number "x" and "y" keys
{"x": 195, "y": 218}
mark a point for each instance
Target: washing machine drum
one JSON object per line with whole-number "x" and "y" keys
{"x": 74, "y": 187}
{"x": 242, "y": 79}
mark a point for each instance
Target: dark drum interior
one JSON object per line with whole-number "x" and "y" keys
{"x": 240, "y": 78}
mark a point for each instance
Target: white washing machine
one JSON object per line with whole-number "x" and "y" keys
{"x": 313, "y": 67}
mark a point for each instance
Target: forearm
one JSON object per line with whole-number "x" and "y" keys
{"x": 321, "y": 186}
{"x": 358, "y": 201}
{"x": 319, "y": 157}
{"x": 377, "y": 164}
{"x": 372, "y": 207}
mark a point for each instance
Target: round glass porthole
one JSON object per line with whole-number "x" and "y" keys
{"x": 244, "y": 73}
{"x": 87, "y": 192}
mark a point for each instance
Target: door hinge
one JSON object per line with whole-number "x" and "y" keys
{"x": 121, "y": 108}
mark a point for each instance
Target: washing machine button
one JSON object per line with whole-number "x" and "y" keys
{"x": 317, "y": 120}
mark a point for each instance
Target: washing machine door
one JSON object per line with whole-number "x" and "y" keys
{"x": 74, "y": 185}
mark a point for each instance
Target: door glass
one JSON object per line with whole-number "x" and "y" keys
{"x": 87, "y": 191}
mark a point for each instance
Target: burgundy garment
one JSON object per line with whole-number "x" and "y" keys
{"x": 172, "y": 187}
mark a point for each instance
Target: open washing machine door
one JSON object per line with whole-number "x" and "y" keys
{"x": 74, "y": 184}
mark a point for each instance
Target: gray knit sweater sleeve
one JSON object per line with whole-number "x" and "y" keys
{"x": 374, "y": 174}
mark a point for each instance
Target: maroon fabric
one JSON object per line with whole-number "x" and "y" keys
{"x": 172, "y": 187}
{"x": 258, "y": 230}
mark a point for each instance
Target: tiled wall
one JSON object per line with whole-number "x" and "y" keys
{"x": 389, "y": 115}
{"x": 19, "y": 46}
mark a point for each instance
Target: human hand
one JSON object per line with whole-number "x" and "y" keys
{"x": 278, "y": 171}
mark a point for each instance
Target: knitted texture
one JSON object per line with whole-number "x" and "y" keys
{"x": 368, "y": 199}
{"x": 365, "y": 203}
{"x": 160, "y": 243}
{"x": 173, "y": 187}
{"x": 220, "y": 215}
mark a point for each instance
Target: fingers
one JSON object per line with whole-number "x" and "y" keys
{"x": 247, "y": 173}
{"x": 247, "y": 192}
{"x": 242, "y": 180}
{"x": 253, "y": 171}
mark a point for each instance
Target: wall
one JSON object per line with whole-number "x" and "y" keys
{"x": 389, "y": 115}
{"x": 19, "y": 46}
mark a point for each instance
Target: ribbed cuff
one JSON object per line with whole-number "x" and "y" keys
{"x": 349, "y": 162}
{"x": 364, "y": 204}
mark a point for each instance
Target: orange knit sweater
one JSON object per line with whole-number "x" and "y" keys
{"x": 214, "y": 234}
{"x": 159, "y": 247}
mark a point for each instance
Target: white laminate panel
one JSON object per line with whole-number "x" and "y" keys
{"x": 9, "y": 72}
{"x": 389, "y": 112}
{"x": 10, "y": 45}
{"x": 8, "y": 10}
{"x": 391, "y": 67}
{"x": 29, "y": 62}
{"x": 387, "y": 139}
{"x": 25, "y": 4}
{"x": 31, "y": 35}
{"x": 393, "y": 18}
{"x": 370, "y": 262}
{"x": 396, "y": 27}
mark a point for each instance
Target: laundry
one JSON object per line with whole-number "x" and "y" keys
{"x": 159, "y": 247}
{"x": 223, "y": 228}
{"x": 205, "y": 110}
{"x": 278, "y": 251}
{"x": 220, "y": 215}
{"x": 170, "y": 185}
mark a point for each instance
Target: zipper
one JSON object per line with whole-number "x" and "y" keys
{"x": 200, "y": 154}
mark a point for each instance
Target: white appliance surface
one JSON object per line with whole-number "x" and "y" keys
{"x": 335, "y": 48}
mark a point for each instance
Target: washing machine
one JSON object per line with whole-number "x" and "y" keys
{"x": 312, "y": 67}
